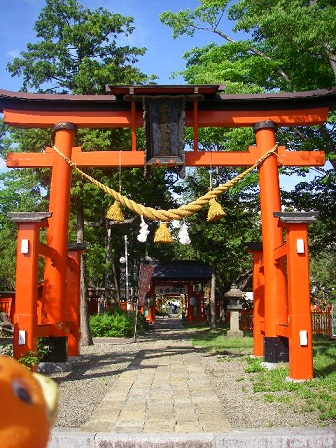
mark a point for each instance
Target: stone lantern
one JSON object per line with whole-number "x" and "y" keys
{"x": 234, "y": 299}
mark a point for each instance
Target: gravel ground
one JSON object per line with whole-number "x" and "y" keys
{"x": 83, "y": 388}
{"x": 85, "y": 385}
{"x": 243, "y": 407}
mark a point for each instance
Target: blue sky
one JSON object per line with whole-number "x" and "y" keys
{"x": 163, "y": 57}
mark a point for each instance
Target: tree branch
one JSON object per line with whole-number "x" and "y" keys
{"x": 256, "y": 52}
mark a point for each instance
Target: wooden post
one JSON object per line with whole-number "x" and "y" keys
{"x": 275, "y": 347}
{"x": 300, "y": 324}
{"x": 151, "y": 313}
{"x": 25, "y": 317}
{"x": 72, "y": 310}
{"x": 190, "y": 308}
{"x": 258, "y": 299}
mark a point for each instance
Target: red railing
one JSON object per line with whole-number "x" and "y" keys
{"x": 7, "y": 305}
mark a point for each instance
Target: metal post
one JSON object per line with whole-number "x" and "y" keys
{"x": 126, "y": 276}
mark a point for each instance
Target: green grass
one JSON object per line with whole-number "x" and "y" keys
{"x": 215, "y": 341}
{"x": 317, "y": 395}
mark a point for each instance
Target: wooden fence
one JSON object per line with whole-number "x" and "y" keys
{"x": 321, "y": 321}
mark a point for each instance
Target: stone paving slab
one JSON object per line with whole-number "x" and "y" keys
{"x": 165, "y": 389}
{"x": 163, "y": 399}
{"x": 276, "y": 438}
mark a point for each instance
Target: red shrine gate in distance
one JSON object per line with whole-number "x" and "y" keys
{"x": 282, "y": 321}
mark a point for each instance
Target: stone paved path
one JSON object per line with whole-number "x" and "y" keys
{"x": 164, "y": 390}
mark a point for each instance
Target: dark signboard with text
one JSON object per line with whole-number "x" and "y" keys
{"x": 164, "y": 129}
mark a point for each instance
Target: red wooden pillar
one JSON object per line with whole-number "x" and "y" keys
{"x": 54, "y": 290}
{"x": 151, "y": 313}
{"x": 72, "y": 310}
{"x": 258, "y": 299}
{"x": 25, "y": 317}
{"x": 275, "y": 347}
{"x": 300, "y": 324}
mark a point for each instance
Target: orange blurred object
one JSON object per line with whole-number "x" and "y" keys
{"x": 24, "y": 417}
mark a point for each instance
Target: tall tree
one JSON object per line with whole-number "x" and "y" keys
{"x": 79, "y": 51}
{"x": 288, "y": 46}
{"x": 291, "y": 46}
{"x": 292, "y": 42}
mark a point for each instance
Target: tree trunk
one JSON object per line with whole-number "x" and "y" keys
{"x": 86, "y": 338}
{"x": 108, "y": 282}
{"x": 115, "y": 279}
{"x": 222, "y": 308}
{"x": 213, "y": 301}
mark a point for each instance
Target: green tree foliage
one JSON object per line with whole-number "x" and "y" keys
{"x": 222, "y": 244}
{"x": 291, "y": 47}
{"x": 268, "y": 47}
{"x": 78, "y": 51}
{"x": 300, "y": 35}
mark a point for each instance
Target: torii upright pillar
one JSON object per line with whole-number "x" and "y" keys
{"x": 275, "y": 347}
{"x": 54, "y": 289}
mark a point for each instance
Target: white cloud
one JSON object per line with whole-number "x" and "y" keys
{"x": 13, "y": 53}
{"x": 3, "y": 167}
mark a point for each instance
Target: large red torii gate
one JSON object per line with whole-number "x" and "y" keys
{"x": 282, "y": 312}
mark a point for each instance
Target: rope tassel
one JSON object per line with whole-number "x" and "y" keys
{"x": 162, "y": 234}
{"x": 215, "y": 212}
{"x": 114, "y": 213}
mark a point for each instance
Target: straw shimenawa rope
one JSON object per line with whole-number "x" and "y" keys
{"x": 172, "y": 214}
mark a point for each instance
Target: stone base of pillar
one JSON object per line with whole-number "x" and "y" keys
{"x": 235, "y": 334}
{"x": 276, "y": 349}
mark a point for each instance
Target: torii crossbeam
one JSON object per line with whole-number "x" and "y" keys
{"x": 205, "y": 106}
